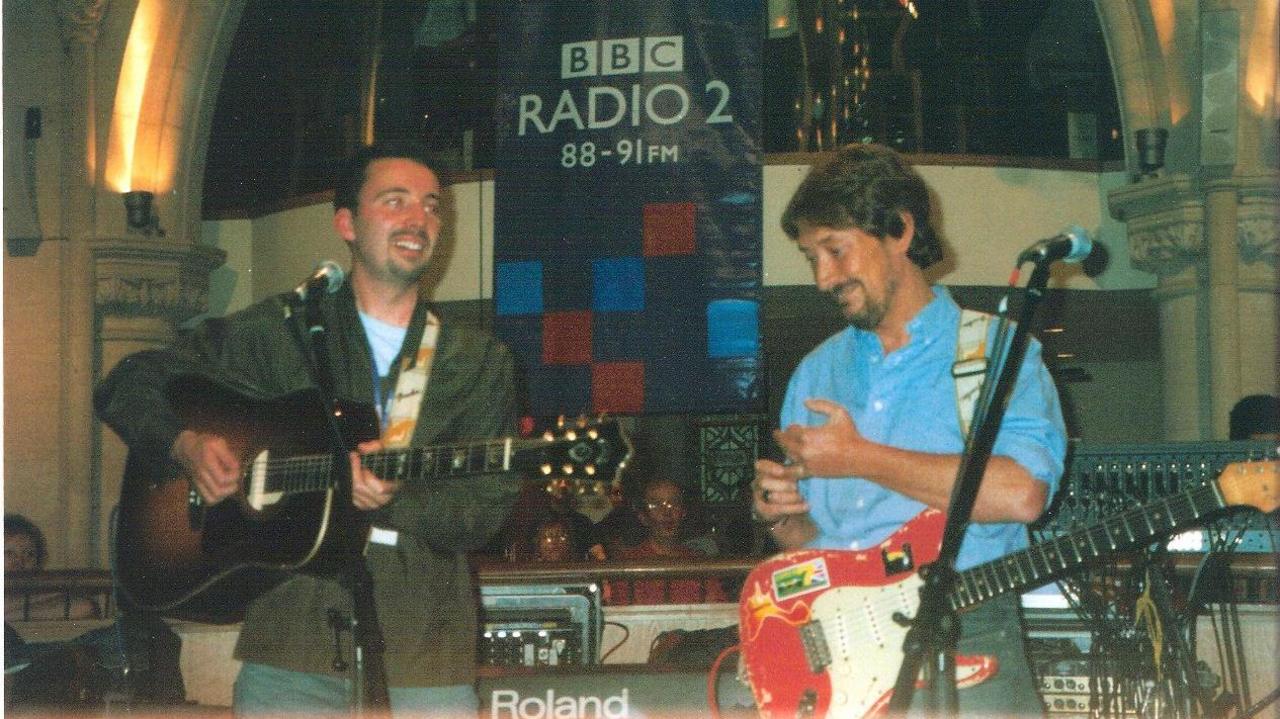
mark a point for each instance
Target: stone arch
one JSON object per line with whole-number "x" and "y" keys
{"x": 157, "y": 133}
{"x": 1133, "y": 47}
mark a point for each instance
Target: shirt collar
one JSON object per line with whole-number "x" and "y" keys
{"x": 941, "y": 311}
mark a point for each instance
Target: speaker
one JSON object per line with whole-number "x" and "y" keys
{"x": 1219, "y": 86}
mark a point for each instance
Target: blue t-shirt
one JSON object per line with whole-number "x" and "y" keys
{"x": 907, "y": 399}
{"x": 385, "y": 341}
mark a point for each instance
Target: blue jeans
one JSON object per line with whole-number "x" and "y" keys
{"x": 263, "y": 691}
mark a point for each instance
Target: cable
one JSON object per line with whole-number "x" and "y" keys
{"x": 626, "y": 634}
{"x": 713, "y": 680}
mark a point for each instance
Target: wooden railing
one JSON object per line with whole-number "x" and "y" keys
{"x": 23, "y": 592}
{"x": 1258, "y": 571}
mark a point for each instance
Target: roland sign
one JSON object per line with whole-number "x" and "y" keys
{"x": 511, "y": 704}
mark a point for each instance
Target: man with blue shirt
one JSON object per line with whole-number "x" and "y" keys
{"x": 872, "y": 426}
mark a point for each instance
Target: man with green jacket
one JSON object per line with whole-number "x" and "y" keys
{"x": 387, "y": 209}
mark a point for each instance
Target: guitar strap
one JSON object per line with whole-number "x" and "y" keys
{"x": 411, "y": 386}
{"x": 406, "y": 403}
{"x": 970, "y": 367}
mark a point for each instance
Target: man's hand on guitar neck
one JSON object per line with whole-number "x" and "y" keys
{"x": 212, "y": 466}
{"x": 368, "y": 491}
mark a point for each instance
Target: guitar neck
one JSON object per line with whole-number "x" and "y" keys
{"x": 442, "y": 461}
{"x": 315, "y": 472}
{"x": 1042, "y": 562}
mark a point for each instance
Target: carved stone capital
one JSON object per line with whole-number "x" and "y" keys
{"x": 80, "y": 19}
{"x": 140, "y": 279}
{"x": 1258, "y": 220}
{"x": 1166, "y": 246}
{"x": 1165, "y": 219}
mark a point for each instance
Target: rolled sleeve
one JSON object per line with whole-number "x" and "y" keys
{"x": 1033, "y": 433}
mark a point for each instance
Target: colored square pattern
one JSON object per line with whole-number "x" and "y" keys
{"x": 669, "y": 228}
{"x": 733, "y": 328}
{"x": 629, "y": 282}
{"x": 617, "y": 284}
{"x": 566, "y": 338}
{"x": 617, "y": 387}
{"x": 518, "y": 288}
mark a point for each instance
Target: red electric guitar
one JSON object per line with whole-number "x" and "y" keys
{"x": 817, "y": 627}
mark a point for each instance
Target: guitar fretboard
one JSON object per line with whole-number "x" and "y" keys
{"x": 1046, "y": 560}
{"x": 315, "y": 472}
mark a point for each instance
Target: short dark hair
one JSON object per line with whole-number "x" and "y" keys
{"x": 1255, "y": 414}
{"x": 354, "y": 169}
{"x": 866, "y": 186}
{"x": 15, "y": 524}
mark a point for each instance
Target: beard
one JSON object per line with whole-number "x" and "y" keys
{"x": 873, "y": 311}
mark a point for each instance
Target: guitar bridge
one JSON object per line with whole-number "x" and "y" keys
{"x": 816, "y": 651}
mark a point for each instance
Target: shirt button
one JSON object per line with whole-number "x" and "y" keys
{"x": 860, "y": 503}
{"x": 877, "y": 405}
{"x": 854, "y": 544}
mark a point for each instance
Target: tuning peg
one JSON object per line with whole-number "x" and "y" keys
{"x": 568, "y": 469}
{"x": 549, "y": 436}
{"x": 560, "y": 422}
{"x": 593, "y": 434}
{"x": 545, "y": 469}
{"x": 582, "y": 421}
{"x": 591, "y": 470}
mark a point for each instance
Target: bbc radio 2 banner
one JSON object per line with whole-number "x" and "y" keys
{"x": 627, "y": 210}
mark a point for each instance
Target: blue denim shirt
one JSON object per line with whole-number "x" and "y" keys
{"x": 907, "y": 399}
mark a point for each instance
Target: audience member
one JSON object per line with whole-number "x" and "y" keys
{"x": 663, "y": 515}
{"x": 25, "y": 555}
{"x": 538, "y": 503}
{"x": 1256, "y": 417}
{"x": 24, "y": 549}
{"x": 557, "y": 538}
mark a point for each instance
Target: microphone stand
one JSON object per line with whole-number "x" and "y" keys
{"x": 934, "y": 633}
{"x": 369, "y": 695}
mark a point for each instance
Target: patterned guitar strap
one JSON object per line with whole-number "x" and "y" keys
{"x": 405, "y": 404}
{"x": 971, "y": 364}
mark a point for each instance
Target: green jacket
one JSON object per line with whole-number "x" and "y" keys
{"x": 425, "y": 596}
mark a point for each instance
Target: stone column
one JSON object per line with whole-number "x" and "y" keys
{"x": 1165, "y": 219}
{"x": 1258, "y": 282}
{"x": 1214, "y": 249}
{"x": 1208, "y": 227}
{"x": 79, "y": 21}
{"x": 1222, "y": 310}
{"x": 143, "y": 290}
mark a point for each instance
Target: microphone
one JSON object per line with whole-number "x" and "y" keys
{"x": 1071, "y": 245}
{"x": 328, "y": 275}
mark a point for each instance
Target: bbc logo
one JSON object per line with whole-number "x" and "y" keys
{"x": 623, "y": 56}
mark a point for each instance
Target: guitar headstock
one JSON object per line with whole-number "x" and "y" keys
{"x": 584, "y": 450}
{"x": 1252, "y": 484}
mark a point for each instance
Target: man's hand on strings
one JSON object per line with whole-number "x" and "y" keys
{"x": 827, "y": 450}
{"x": 211, "y": 464}
{"x": 368, "y": 491}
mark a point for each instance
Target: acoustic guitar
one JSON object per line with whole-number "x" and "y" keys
{"x": 177, "y": 555}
